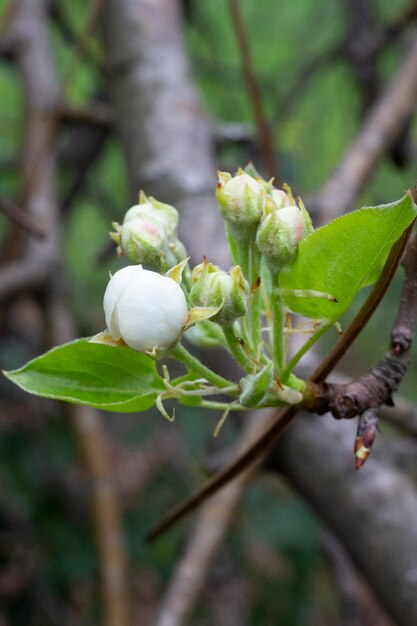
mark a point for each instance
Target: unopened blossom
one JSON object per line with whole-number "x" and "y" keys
{"x": 240, "y": 201}
{"x": 145, "y": 309}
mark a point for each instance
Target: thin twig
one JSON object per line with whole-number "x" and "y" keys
{"x": 97, "y": 114}
{"x": 375, "y": 388}
{"x": 254, "y": 92}
{"x": 21, "y": 218}
{"x": 81, "y": 45}
{"x": 380, "y": 40}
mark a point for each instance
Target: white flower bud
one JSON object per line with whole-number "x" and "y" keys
{"x": 240, "y": 201}
{"x": 145, "y": 240}
{"x": 145, "y": 309}
{"x": 213, "y": 287}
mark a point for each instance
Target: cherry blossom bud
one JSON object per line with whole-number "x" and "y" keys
{"x": 145, "y": 309}
{"x": 212, "y": 287}
{"x": 240, "y": 201}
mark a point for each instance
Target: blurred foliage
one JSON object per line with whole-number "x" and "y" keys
{"x": 310, "y": 137}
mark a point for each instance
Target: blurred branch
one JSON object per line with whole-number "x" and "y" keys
{"x": 265, "y": 136}
{"x": 210, "y": 528}
{"x": 390, "y": 32}
{"x": 82, "y": 43}
{"x": 380, "y": 129}
{"x": 376, "y": 42}
{"x": 97, "y": 114}
{"x": 168, "y": 148}
{"x": 21, "y": 218}
{"x": 372, "y": 513}
{"x": 358, "y": 604}
{"x": 42, "y": 95}
{"x": 403, "y": 415}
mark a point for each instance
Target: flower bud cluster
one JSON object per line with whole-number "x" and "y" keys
{"x": 251, "y": 205}
{"x": 148, "y": 235}
{"x": 213, "y": 288}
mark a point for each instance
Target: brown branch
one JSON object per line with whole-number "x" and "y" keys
{"x": 97, "y": 114}
{"x": 255, "y": 96}
{"x": 391, "y": 31}
{"x": 271, "y": 434}
{"x": 376, "y": 387}
{"x": 21, "y": 218}
{"x": 386, "y": 36}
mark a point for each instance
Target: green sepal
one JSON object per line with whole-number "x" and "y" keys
{"x": 255, "y": 387}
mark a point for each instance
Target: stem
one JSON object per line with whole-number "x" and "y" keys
{"x": 255, "y": 298}
{"x": 233, "y": 390}
{"x": 278, "y": 317}
{"x": 195, "y": 365}
{"x": 245, "y": 262}
{"x": 208, "y": 404}
{"x": 214, "y": 330}
{"x": 237, "y": 350}
{"x": 304, "y": 349}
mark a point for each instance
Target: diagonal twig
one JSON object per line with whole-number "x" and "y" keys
{"x": 265, "y": 136}
{"x": 21, "y": 218}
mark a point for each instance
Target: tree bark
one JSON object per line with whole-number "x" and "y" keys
{"x": 372, "y": 512}
{"x": 165, "y": 134}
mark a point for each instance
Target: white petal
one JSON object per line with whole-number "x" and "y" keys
{"x": 151, "y": 311}
{"x": 115, "y": 287}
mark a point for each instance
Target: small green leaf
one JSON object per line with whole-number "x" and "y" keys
{"x": 106, "y": 377}
{"x": 344, "y": 256}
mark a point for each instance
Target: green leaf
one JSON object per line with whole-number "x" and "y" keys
{"x": 344, "y": 256}
{"x": 106, "y": 377}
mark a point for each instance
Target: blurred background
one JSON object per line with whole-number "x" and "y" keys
{"x": 97, "y": 100}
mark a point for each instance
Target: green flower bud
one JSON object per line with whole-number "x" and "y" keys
{"x": 178, "y": 250}
{"x": 212, "y": 287}
{"x": 241, "y": 200}
{"x": 280, "y": 232}
{"x": 148, "y": 235}
{"x": 150, "y": 207}
{"x": 144, "y": 240}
